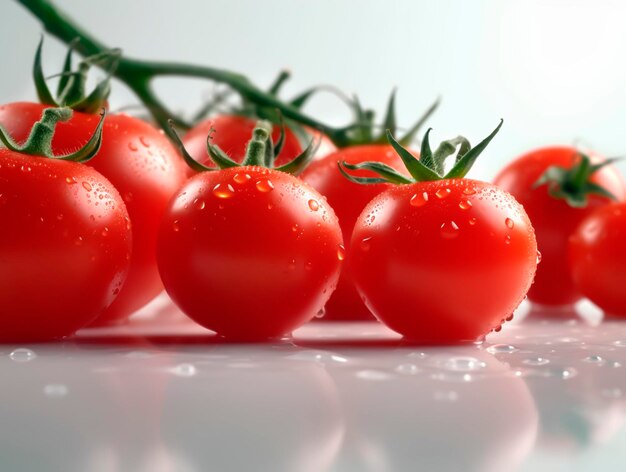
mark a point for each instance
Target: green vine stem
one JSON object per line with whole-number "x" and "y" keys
{"x": 137, "y": 74}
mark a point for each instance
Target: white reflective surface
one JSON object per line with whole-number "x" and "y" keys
{"x": 161, "y": 394}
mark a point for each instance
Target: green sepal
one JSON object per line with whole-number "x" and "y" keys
{"x": 41, "y": 86}
{"x": 278, "y": 147}
{"x": 360, "y": 180}
{"x": 299, "y": 163}
{"x": 573, "y": 185}
{"x": 67, "y": 68}
{"x": 386, "y": 172}
{"x": 190, "y": 161}
{"x": 418, "y": 170}
{"x": 466, "y": 161}
{"x": 390, "y": 118}
{"x": 219, "y": 157}
{"x": 283, "y": 76}
{"x": 39, "y": 141}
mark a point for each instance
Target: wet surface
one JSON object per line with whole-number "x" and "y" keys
{"x": 160, "y": 394}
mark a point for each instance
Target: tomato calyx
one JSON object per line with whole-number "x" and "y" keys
{"x": 261, "y": 152}
{"x": 39, "y": 141}
{"x": 430, "y": 166}
{"x": 573, "y": 184}
{"x": 71, "y": 89}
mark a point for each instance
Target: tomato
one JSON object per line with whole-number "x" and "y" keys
{"x": 348, "y": 200}
{"x": 554, "y": 219}
{"x": 248, "y": 252}
{"x": 598, "y": 258}
{"x": 65, "y": 246}
{"x": 143, "y": 166}
{"x": 443, "y": 261}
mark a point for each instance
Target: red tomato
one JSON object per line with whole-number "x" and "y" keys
{"x": 143, "y": 166}
{"x": 348, "y": 200}
{"x": 554, "y": 219}
{"x": 598, "y": 258}
{"x": 248, "y": 252}
{"x": 443, "y": 261}
{"x": 65, "y": 246}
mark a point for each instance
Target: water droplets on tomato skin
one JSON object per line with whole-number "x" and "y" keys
{"x": 144, "y": 142}
{"x": 264, "y": 185}
{"x": 465, "y": 204}
{"x": 341, "y": 252}
{"x": 449, "y": 230}
{"x": 509, "y": 223}
{"x": 314, "y": 205}
{"x": 469, "y": 190}
{"x": 507, "y": 239}
{"x": 538, "y": 257}
{"x": 176, "y": 226}
{"x": 366, "y": 244}
{"x": 472, "y": 221}
{"x": 70, "y": 180}
{"x": 240, "y": 178}
{"x": 419, "y": 199}
{"x": 223, "y": 191}
{"x": 199, "y": 204}
{"x": 132, "y": 146}
{"x": 443, "y": 192}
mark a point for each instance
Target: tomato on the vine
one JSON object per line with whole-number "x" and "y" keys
{"x": 424, "y": 252}
{"x": 597, "y": 256}
{"x": 348, "y": 201}
{"x": 558, "y": 186}
{"x": 65, "y": 243}
{"x": 249, "y": 252}
{"x": 142, "y": 165}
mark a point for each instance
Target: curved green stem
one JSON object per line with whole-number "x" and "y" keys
{"x": 138, "y": 74}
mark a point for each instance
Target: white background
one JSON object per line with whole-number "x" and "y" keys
{"x": 554, "y": 70}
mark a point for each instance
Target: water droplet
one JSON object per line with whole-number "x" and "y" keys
{"x": 317, "y": 356}
{"x": 314, "y": 205}
{"x": 365, "y": 244}
{"x": 264, "y": 185}
{"x": 449, "y": 230}
{"x": 105, "y": 231}
{"x": 184, "y": 370}
{"x": 446, "y": 396}
{"x": 241, "y": 178}
{"x": 469, "y": 190}
{"x": 419, "y": 199}
{"x": 620, "y": 343}
{"x": 443, "y": 192}
{"x": 292, "y": 264}
{"x": 60, "y": 216}
{"x": 538, "y": 257}
{"x": 55, "y": 390}
{"x": 176, "y": 226}
{"x": 71, "y": 180}
{"x": 536, "y": 361}
{"x": 472, "y": 221}
{"x": 199, "y": 204}
{"x": 320, "y": 313}
{"x": 308, "y": 265}
{"x": 594, "y": 359}
{"x": 144, "y": 141}
{"x": 465, "y": 205}
{"x": 407, "y": 369}
{"x": 615, "y": 364}
{"x": 341, "y": 252}
{"x": 566, "y": 373}
{"x": 87, "y": 186}
{"x": 224, "y": 191}
{"x": 507, "y": 239}
{"x": 612, "y": 393}
{"x": 132, "y": 147}
{"x": 509, "y": 223}
{"x": 375, "y": 375}
{"x": 501, "y": 348}
{"x": 78, "y": 241}
{"x": 463, "y": 364}
{"x": 22, "y": 355}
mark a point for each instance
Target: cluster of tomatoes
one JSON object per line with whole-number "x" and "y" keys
{"x": 100, "y": 211}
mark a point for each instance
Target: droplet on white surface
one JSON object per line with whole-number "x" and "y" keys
{"x": 55, "y": 390}
{"x": 22, "y": 355}
{"x": 407, "y": 369}
{"x": 595, "y": 359}
{"x": 463, "y": 364}
{"x": 184, "y": 370}
{"x": 536, "y": 361}
{"x": 501, "y": 348}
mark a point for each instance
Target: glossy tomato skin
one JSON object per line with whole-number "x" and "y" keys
{"x": 553, "y": 219}
{"x": 144, "y": 167}
{"x": 445, "y": 261}
{"x": 248, "y": 252}
{"x": 348, "y": 200}
{"x": 65, "y": 246}
{"x": 598, "y": 258}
